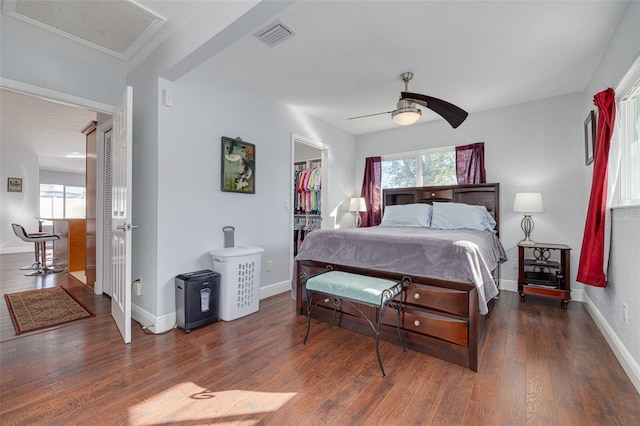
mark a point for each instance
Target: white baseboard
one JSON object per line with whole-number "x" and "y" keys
{"x": 151, "y": 322}
{"x": 12, "y": 250}
{"x": 167, "y": 322}
{"x": 274, "y": 289}
{"x": 629, "y": 365}
{"x": 510, "y": 285}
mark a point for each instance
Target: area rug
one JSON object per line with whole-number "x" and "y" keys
{"x": 38, "y": 309}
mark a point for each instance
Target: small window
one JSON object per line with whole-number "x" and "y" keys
{"x": 629, "y": 113}
{"x": 62, "y": 202}
{"x": 431, "y": 167}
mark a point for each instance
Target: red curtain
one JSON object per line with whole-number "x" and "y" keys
{"x": 470, "y": 164}
{"x": 371, "y": 191}
{"x": 591, "y": 269}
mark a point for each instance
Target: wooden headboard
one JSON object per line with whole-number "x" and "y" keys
{"x": 483, "y": 194}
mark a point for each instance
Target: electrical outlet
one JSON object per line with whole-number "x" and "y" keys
{"x": 269, "y": 265}
{"x": 137, "y": 287}
{"x": 625, "y": 313}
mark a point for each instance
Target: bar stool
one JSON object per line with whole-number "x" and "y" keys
{"x": 40, "y": 240}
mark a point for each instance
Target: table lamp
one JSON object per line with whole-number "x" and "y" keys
{"x": 527, "y": 203}
{"x": 356, "y": 206}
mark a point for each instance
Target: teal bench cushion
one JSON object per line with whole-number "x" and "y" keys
{"x": 352, "y": 286}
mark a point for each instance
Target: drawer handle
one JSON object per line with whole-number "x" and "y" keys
{"x": 326, "y": 300}
{"x": 416, "y": 296}
{"x": 433, "y": 194}
{"x": 416, "y": 323}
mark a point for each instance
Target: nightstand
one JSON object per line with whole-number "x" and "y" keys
{"x": 545, "y": 270}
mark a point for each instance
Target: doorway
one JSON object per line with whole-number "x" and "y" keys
{"x": 309, "y": 161}
{"x": 83, "y": 107}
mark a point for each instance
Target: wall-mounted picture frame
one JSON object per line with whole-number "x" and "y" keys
{"x": 14, "y": 184}
{"x": 589, "y": 137}
{"x": 238, "y": 166}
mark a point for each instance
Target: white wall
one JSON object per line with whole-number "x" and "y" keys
{"x": 531, "y": 147}
{"x": 62, "y": 178}
{"x": 623, "y": 285}
{"x": 145, "y": 186}
{"x": 192, "y": 209}
{"x": 215, "y": 27}
{"x": 18, "y": 207}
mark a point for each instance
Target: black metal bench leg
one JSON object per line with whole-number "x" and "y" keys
{"x": 378, "y": 350}
{"x": 388, "y": 296}
{"x": 309, "y": 306}
{"x": 336, "y": 303}
{"x": 398, "y": 309}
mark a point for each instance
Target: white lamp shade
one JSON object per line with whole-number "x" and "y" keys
{"x": 357, "y": 205}
{"x": 528, "y": 202}
{"x": 404, "y": 118}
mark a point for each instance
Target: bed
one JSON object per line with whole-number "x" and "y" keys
{"x": 450, "y": 276}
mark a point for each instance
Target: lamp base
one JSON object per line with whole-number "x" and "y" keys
{"x": 527, "y": 228}
{"x": 358, "y": 220}
{"x": 527, "y": 242}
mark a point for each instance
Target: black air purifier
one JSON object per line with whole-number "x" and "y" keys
{"x": 197, "y": 299}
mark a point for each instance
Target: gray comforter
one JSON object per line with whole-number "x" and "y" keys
{"x": 455, "y": 255}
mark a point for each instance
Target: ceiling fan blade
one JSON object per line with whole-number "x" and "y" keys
{"x": 369, "y": 115}
{"x": 453, "y": 114}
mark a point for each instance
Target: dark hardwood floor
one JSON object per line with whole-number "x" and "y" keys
{"x": 539, "y": 365}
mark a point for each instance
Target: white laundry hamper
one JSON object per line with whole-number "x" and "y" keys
{"x": 239, "y": 269}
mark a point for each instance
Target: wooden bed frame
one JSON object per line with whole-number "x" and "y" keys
{"x": 439, "y": 317}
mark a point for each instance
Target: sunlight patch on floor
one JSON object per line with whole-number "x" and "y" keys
{"x": 190, "y": 402}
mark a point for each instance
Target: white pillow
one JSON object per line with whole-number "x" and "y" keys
{"x": 461, "y": 216}
{"x": 407, "y": 215}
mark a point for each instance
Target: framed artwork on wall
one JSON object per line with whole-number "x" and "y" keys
{"x": 589, "y": 137}
{"x": 14, "y": 184}
{"x": 238, "y": 166}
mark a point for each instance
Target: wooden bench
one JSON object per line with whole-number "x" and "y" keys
{"x": 350, "y": 288}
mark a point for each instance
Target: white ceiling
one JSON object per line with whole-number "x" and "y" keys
{"x": 346, "y": 57}
{"x": 48, "y": 129}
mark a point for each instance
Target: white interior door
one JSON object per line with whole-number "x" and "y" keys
{"x": 121, "y": 183}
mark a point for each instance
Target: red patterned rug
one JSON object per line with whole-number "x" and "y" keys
{"x": 37, "y": 309}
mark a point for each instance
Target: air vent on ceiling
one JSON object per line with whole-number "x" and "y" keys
{"x": 274, "y": 34}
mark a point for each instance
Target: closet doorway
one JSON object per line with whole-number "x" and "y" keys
{"x": 308, "y": 190}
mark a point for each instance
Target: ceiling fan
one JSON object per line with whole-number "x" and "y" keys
{"x": 407, "y": 112}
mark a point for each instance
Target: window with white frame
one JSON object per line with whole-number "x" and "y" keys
{"x": 430, "y": 167}
{"x": 61, "y": 202}
{"x": 629, "y": 113}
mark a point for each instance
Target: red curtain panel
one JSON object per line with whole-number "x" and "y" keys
{"x": 591, "y": 269}
{"x": 371, "y": 191}
{"x": 470, "y": 164}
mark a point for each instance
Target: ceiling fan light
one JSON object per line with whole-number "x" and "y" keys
{"x": 406, "y": 116}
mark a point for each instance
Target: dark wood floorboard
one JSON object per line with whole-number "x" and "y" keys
{"x": 539, "y": 365}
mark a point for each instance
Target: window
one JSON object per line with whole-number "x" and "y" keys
{"x": 61, "y": 201}
{"x": 429, "y": 167}
{"x": 629, "y": 113}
